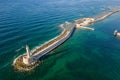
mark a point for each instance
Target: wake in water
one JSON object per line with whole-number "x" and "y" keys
{"x": 3, "y": 66}
{"x": 61, "y": 25}
{"x": 19, "y": 49}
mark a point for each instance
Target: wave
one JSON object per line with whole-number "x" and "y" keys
{"x": 5, "y": 65}
{"x": 66, "y": 22}
{"x": 62, "y": 25}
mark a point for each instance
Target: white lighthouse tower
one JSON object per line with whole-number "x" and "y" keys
{"x": 28, "y": 51}
{"x": 28, "y": 58}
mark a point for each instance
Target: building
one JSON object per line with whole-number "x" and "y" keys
{"x": 28, "y": 58}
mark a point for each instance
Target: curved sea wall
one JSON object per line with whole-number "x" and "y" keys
{"x": 42, "y": 50}
{"x": 54, "y": 45}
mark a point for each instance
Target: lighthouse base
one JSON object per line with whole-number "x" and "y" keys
{"x": 28, "y": 60}
{"x": 30, "y": 64}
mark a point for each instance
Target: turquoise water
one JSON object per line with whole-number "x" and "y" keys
{"x": 87, "y": 55}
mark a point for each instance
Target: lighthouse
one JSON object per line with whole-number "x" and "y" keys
{"x": 28, "y": 58}
{"x": 28, "y": 51}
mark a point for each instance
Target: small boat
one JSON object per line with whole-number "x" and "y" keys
{"x": 116, "y": 33}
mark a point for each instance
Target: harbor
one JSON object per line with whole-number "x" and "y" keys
{"x": 30, "y": 59}
{"x": 30, "y": 28}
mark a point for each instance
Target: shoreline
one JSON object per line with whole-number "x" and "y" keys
{"x": 79, "y": 23}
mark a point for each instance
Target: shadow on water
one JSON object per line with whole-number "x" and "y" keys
{"x": 43, "y": 69}
{"x": 52, "y": 54}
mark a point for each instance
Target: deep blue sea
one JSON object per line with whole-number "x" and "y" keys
{"x": 87, "y": 55}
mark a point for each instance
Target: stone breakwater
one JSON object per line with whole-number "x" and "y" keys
{"x": 82, "y": 23}
{"x": 105, "y": 15}
{"x": 42, "y": 50}
{"x": 55, "y": 42}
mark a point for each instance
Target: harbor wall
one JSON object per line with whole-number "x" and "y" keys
{"x": 54, "y": 45}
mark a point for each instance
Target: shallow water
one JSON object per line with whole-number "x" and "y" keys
{"x": 87, "y": 55}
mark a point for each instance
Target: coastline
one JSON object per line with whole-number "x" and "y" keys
{"x": 79, "y": 21}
